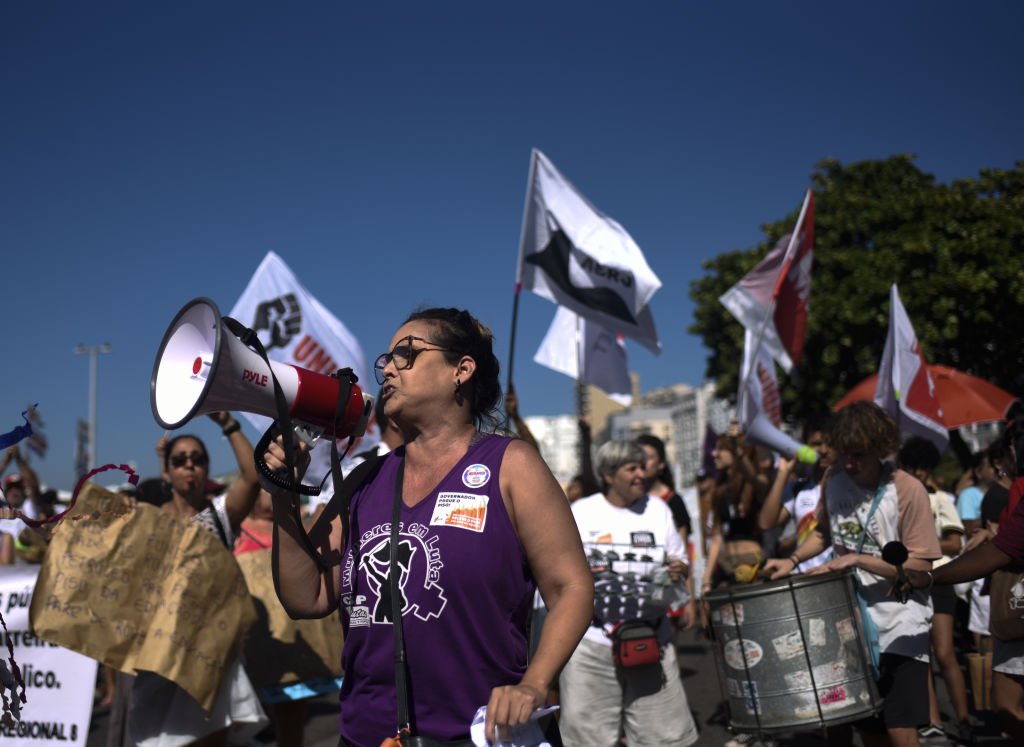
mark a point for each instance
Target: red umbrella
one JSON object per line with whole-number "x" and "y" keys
{"x": 964, "y": 399}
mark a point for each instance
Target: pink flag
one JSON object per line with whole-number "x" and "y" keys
{"x": 785, "y": 275}
{"x": 905, "y": 387}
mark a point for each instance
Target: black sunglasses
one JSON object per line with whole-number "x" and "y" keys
{"x": 180, "y": 460}
{"x": 403, "y": 355}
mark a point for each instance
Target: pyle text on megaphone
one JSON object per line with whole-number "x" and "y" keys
{"x": 204, "y": 366}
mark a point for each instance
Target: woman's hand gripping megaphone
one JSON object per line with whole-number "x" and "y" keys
{"x": 273, "y": 459}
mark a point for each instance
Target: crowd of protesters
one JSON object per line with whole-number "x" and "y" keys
{"x": 760, "y": 517}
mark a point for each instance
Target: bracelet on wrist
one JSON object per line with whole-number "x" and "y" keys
{"x": 931, "y": 580}
{"x": 794, "y": 560}
{"x": 233, "y": 428}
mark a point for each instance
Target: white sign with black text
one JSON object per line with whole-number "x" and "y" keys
{"x": 59, "y": 684}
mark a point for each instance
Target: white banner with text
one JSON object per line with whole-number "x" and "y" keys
{"x": 59, "y": 684}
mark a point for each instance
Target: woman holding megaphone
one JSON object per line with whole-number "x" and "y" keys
{"x": 480, "y": 522}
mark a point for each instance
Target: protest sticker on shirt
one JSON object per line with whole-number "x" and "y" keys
{"x": 460, "y": 510}
{"x": 642, "y": 539}
{"x": 476, "y": 475}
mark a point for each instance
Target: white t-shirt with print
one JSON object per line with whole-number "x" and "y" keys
{"x": 600, "y": 522}
{"x": 802, "y": 509}
{"x": 903, "y": 629}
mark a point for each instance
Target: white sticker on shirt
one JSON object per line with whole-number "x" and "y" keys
{"x": 641, "y": 539}
{"x": 476, "y": 475}
{"x": 460, "y": 510}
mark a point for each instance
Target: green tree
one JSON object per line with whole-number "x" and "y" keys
{"x": 955, "y": 250}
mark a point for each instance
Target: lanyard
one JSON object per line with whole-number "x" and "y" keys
{"x": 879, "y": 494}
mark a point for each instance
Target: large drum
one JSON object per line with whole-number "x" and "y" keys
{"x": 792, "y": 654}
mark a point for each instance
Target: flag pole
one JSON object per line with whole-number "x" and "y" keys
{"x": 579, "y": 351}
{"x": 519, "y": 265}
{"x": 582, "y": 398}
{"x": 787, "y": 260}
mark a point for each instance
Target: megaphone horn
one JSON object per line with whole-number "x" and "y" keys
{"x": 762, "y": 431}
{"x": 202, "y": 367}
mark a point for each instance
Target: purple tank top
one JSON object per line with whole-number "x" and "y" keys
{"x": 467, "y": 591}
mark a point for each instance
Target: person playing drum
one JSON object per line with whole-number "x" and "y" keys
{"x": 865, "y": 504}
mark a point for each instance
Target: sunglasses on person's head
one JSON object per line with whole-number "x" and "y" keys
{"x": 180, "y": 460}
{"x": 403, "y": 355}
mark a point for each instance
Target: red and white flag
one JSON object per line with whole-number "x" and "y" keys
{"x": 780, "y": 285}
{"x": 905, "y": 386}
{"x": 760, "y": 412}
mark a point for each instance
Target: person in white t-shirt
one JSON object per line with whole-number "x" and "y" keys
{"x": 798, "y": 500}
{"x": 866, "y": 504}
{"x": 629, "y": 536}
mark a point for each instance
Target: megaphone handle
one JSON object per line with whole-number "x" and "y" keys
{"x": 284, "y": 480}
{"x": 347, "y": 379}
{"x": 280, "y": 479}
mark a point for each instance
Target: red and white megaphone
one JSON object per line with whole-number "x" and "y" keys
{"x": 203, "y": 367}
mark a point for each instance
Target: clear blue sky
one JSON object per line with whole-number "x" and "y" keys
{"x": 152, "y": 153}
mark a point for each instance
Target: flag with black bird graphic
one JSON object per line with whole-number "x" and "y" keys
{"x": 577, "y": 257}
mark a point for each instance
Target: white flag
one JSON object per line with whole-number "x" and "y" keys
{"x": 760, "y": 412}
{"x": 602, "y": 354}
{"x": 574, "y": 256}
{"x": 905, "y": 386}
{"x": 296, "y": 328}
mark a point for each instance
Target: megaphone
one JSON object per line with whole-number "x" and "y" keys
{"x": 203, "y": 367}
{"x": 762, "y": 431}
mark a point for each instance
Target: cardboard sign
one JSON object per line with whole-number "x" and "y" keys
{"x": 142, "y": 590}
{"x": 59, "y": 683}
{"x": 281, "y": 650}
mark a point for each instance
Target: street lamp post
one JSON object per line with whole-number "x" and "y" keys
{"x": 92, "y": 351}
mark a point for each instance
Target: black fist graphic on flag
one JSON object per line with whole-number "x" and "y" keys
{"x": 282, "y": 317}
